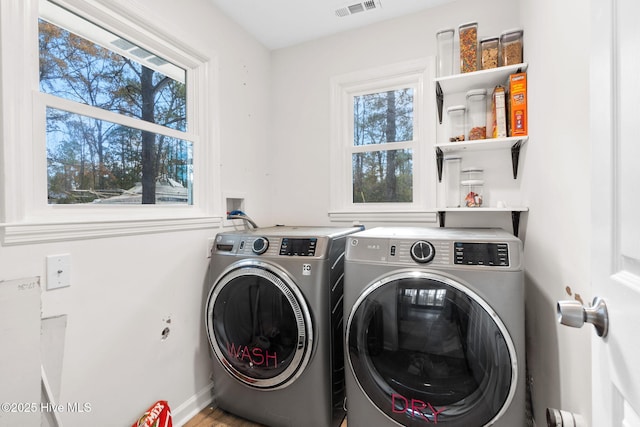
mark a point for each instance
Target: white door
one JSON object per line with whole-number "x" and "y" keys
{"x": 615, "y": 124}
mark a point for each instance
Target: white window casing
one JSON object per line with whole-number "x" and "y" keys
{"x": 25, "y": 216}
{"x": 418, "y": 75}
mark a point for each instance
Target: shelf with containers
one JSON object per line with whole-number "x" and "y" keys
{"x": 461, "y": 83}
{"x": 458, "y": 85}
{"x": 514, "y": 143}
{"x": 477, "y": 79}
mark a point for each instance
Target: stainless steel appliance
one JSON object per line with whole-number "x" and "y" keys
{"x": 434, "y": 328}
{"x": 274, "y": 322}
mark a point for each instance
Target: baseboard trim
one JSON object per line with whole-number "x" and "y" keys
{"x": 196, "y": 403}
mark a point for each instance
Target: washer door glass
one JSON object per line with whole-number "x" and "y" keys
{"x": 426, "y": 350}
{"x": 259, "y": 325}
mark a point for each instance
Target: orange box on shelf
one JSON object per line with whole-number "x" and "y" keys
{"x": 518, "y": 104}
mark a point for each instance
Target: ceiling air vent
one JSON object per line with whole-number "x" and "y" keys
{"x": 358, "y": 7}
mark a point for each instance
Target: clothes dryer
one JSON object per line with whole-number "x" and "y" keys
{"x": 274, "y": 323}
{"x": 434, "y": 328}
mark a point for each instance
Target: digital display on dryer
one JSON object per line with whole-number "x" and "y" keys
{"x": 298, "y": 247}
{"x": 489, "y": 254}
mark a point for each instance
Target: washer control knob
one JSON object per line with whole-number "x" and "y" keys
{"x": 260, "y": 245}
{"x": 422, "y": 251}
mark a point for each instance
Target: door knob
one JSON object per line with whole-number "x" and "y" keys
{"x": 572, "y": 313}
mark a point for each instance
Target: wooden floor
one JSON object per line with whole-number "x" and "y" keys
{"x": 215, "y": 417}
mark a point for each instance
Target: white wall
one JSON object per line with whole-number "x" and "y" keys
{"x": 124, "y": 289}
{"x": 301, "y": 75}
{"x": 274, "y": 127}
{"x": 554, "y": 165}
{"x": 556, "y": 180}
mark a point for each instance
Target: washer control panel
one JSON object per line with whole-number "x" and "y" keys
{"x": 298, "y": 247}
{"x": 270, "y": 246}
{"x": 491, "y": 254}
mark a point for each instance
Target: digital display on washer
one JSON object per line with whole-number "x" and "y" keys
{"x": 491, "y": 254}
{"x": 298, "y": 247}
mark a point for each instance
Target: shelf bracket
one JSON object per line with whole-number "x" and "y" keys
{"x": 439, "y": 100}
{"x": 515, "y": 222}
{"x": 439, "y": 161}
{"x": 441, "y": 217}
{"x": 515, "y": 157}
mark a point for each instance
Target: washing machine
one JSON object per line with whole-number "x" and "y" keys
{"x": 434, "y": 328}
{"x": 274, "y": 322}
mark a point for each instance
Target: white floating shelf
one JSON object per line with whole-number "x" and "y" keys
{"x": 487, "y": 209}
{"x": 514, "y": 210}
{"x": 482, "y": 144}
{"x": 478, "y": 79}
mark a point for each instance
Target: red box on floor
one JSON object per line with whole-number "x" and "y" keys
{"x": 158, "y": 415}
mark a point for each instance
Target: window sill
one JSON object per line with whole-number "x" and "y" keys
{"x": 430, "y": 217}
{"x": 44, "y": 232}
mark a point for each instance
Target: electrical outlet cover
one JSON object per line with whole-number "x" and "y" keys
{"x": 58, "y": 271}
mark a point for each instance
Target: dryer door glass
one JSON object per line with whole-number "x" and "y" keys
{"x": 428, "y": 350}
{"x": 259, "y": 327}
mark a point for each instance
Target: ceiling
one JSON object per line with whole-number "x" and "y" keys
{"x": 282, "y": 23}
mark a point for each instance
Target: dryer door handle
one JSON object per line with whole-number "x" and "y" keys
{"x": 572, "y": 313}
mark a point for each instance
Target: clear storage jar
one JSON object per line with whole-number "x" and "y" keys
{"x": 477, "y": 114}
{"x": 444, "y": 39}
{"x": 473, "y": 193}
{"x": 456, "y": 115}
{"x": 472, "y": 187}
{"x": 468, "y": 34}
{"x": 511, "y": 47}
{"x": 451, "y": 169}
{"x": 489, "y": 53}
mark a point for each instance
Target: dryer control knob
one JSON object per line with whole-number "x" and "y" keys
{"x": 422, "y": 251}
{"x": 260, "y": 245}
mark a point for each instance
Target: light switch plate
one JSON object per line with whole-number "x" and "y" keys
{"x": 58, "y": 271}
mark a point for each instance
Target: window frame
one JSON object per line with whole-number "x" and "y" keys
{"x": 418, "y": 74}
{"x": 25, "y": 213}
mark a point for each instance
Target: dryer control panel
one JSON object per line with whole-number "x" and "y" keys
{"x": 433, "y": 253}
{"x": 492, "y": 254}
{"x": 437, "y": 248}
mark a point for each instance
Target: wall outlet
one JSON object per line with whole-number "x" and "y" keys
{"x": 58, "y": 271}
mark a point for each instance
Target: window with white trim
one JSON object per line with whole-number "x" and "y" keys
{"x": 383, "y": 145}
{"x": 381, "y": 139}
{"x": 116, "y": 117}
{"x": 116, "y": 138}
